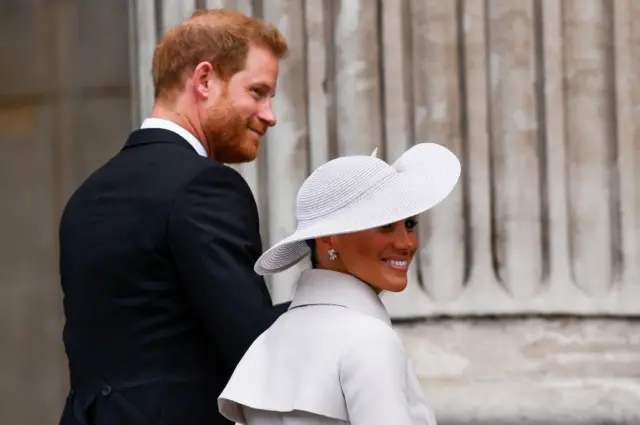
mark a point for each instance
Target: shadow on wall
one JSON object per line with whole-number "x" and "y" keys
{"x": 64, "y": 109}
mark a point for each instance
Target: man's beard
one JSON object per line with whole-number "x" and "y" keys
{"x": 228, "y": 134}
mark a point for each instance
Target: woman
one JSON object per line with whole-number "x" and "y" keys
{"x": 333, "y": 357}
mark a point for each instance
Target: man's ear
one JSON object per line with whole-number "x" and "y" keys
{"x": 205, "y": 80}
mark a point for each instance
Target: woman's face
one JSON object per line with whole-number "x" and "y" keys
{"x": 380, "y": 256}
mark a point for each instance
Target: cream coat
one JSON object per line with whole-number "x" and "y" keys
{"x": 333, "y": 358}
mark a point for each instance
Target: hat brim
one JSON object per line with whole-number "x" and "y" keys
{"x": 425, "y": 175}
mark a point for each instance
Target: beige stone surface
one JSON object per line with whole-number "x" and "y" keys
{"x": 528, "y": 371}
{"x": 64, "y": 110}
{"x": 539, "y": 98}
{"x": 536, "y": 98}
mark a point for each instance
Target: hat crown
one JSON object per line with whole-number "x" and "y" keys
{"x": 337, "y": 183}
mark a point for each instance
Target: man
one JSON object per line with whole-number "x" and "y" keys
{"x": 157, "y": 247}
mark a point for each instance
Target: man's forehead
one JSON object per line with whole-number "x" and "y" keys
{"x": 260, "y": 68}
{"x": 247, "y": 76}
{"x": 259, "y": 56}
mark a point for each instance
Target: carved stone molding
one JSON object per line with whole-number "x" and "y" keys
{"x": 538, "y": 98}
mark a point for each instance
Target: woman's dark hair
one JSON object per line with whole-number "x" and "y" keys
{"x": 314, "y": 253}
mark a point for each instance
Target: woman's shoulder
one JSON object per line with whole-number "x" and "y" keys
{"x": 299, "y": 363}
{"x": 369, "y": 333}
{"x": 366, "y": 327}
{"x": 335, "y": 322}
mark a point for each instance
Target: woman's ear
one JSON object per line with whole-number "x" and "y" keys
{"x": 324, "y": 243}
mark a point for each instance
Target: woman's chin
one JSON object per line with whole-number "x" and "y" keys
{"x": 393, "y": 285}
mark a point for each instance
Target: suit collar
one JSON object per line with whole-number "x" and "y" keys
{"x": 318, "y": 286}
{"x": 181, "y": 131}
{"x": 156, "y": 135}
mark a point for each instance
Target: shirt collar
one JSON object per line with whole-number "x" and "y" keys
{"x": 317, "y": 286}
{"x": 171, "y": 126}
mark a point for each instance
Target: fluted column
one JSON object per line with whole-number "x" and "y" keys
{"x": 538, "y": 98}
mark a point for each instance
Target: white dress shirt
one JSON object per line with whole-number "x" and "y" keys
{"x": 333, "y": 358}
{"x": 171, "y": 126}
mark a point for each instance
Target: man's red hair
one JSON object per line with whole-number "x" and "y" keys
{"x": 221, "y": 37}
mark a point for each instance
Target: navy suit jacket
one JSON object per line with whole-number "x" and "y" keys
{"x": 157, "y": 249}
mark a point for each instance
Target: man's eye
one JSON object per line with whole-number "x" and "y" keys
{"x": 411, "y": 223}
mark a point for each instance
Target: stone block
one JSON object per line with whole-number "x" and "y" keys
{"x": 528, "y": 371}
{"x": 32, "y": 385}
{"x": 25, "y": 48}
{"x": 101, "y": 128}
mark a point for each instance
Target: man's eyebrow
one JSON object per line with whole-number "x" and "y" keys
{"x": 264, "y": 86}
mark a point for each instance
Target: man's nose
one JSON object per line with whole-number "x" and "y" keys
{"x": 267, "y": 115}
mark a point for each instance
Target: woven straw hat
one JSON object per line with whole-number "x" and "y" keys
{"x": 354, "y": 193}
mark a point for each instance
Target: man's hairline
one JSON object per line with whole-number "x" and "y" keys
{"x": 226, "y": 80}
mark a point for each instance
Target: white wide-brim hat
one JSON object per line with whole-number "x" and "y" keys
{"x": 354, "y": 193}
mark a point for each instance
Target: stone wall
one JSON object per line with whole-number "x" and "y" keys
{"x": 528, "y": 371}
{"x": 524, "y": 300}
{"x": 65, "y": 107}
{"x": 539, "y": 99}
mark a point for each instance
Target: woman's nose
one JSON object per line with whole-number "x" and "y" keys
{"x": 403, "y": 238}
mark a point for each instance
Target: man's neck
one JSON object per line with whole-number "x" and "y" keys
{"x": 183, "y": 120}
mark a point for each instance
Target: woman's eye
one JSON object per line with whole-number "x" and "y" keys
{"x": 411, "y": 223}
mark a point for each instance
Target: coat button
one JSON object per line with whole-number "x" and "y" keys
{"x": 106, "y": 390}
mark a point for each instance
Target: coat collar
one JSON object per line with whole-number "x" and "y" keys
{"x": 147, "y": 136}
{"x": 319, "y": 286}
{"x": 182, "y": 132}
